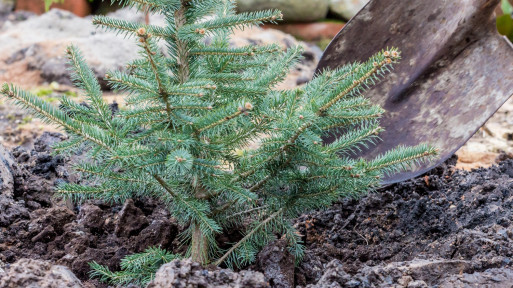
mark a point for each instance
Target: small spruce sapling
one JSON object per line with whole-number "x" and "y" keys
{"x": 191, "y": 111}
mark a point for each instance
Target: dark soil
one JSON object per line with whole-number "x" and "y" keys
{"x": 443, "y": 216}
{"x": 445, "y": 227}
{"x": 39, "y": 226}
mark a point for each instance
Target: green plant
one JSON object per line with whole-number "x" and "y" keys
{"x": 190, "y": 117}
{"x": 49, "y": 3}
{"x": 505, "y": 22}
{"x": 26, "y": 120}
{"x": 138, "y": 269}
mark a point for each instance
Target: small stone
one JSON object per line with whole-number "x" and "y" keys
{"x": 417, "y": 284}
{"x": 353, "y": 283}
{"x": 47, "y": 235}
{"x": 405, "y": 280}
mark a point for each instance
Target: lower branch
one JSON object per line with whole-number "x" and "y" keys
{"x": 248, "y": 236}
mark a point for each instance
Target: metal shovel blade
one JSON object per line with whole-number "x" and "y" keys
{"x": 455, "y": 72}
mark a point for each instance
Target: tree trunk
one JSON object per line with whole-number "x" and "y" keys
{"x": 199, "y": 246}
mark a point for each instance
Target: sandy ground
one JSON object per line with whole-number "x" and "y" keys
{"x": 493, "y": 139}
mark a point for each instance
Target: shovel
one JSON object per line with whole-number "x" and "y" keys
{"x": 455, "y": 72}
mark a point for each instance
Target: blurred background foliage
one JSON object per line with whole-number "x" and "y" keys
{"x": 505, "y": 21}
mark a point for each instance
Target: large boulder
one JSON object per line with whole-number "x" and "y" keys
{"x": 31, "y": 273}
{"x": 293, "y": 10}
{"x": 346, "y": 9}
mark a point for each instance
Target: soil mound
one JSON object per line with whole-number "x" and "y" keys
{"x": 449, "y": 225}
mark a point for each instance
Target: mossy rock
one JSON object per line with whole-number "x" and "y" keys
{"x": 293, "y": 10}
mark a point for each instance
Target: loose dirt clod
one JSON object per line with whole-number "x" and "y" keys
{"x": 277, "y": 264}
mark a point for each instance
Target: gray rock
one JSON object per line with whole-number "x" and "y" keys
{"x": 54, "y": 70}
{"x": 6, "y": 6}
{"x": 346, "y": 9}
{"x": 6, "y": 172}
{"x": 51, "y": 33}
{"x": 417, "y": 284}
{"x": 293, "y": 10}
{"x": 31, "y": 273}
{"x": 185, "y": 273}
{"x": 22, "y": 54}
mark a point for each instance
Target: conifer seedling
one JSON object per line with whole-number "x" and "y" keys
{"x": 192, "y": 109}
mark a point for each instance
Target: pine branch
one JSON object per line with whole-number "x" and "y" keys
{"x": 49, "y": 113}
{"x": 221, "y": 121}
{"x": 130, "y": 29}
{"x": 231, "y": 22}
{"x": 83, "y": 77}
{"x": 163, "y": 6}
{"x": 249, "y": 51}
{"x": 400, "y": 158}
{"x": 247, "y": 237}
{"x": 137, "y": 269}
{"x": 372, "y": 68}
{"x": 132, "y": 85}
{"x": 156, "y": 71}
{"x": 353, "y": 139}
